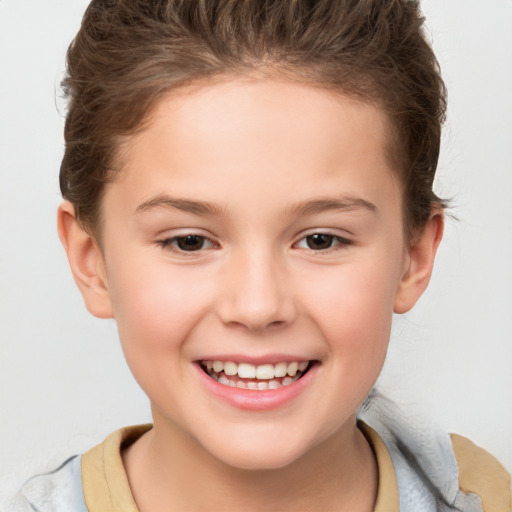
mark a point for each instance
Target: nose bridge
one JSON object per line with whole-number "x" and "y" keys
{"x": 256, "y": 294}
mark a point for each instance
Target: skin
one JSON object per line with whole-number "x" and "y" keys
{"x": 276, "y": 162}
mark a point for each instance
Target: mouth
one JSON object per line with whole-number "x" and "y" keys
{"x": 256, "y": 377}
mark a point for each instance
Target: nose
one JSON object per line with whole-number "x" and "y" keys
{"x": 256, "y": 292}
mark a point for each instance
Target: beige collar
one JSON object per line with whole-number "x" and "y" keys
{"x": 106, "y": 487}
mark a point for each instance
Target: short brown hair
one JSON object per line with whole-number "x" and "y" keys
{"x": 128, "y": 53}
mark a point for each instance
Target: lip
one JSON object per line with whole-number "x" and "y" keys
{"x": 252, "y": 400}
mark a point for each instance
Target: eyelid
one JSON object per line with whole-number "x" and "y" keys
{"x": 168, "y": 243}
{"x": 343, "y": 241}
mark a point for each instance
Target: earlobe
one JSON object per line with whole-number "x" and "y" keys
{"x": 86, "y": 262}
{"x": 420, "y": 262}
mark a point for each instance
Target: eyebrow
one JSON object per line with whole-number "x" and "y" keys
{"x": 303, "y": 208}
{"x": 201, "y": 208}
{"x": 346, "y": 203}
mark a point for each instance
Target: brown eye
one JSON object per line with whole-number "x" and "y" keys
{"x": 190, "y": 242}
{"x": 320, "y": 241}
{"x": 323, "y": 243}
{"x": 180, "y": 245}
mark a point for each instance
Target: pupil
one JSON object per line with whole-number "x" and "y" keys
{"x": 190, "y": 242}
{"x": 319, "y": 241}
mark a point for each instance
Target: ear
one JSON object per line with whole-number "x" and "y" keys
{"x": 419, "y": 262}
{"x": 86, "y": 262}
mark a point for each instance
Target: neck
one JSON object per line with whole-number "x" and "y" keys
{"x": 166, "y": 467}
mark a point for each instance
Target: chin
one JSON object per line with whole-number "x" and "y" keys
{"x": 251, "y": 461}
{"x": 249, "y": 455}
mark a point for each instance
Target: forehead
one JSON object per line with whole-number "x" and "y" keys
{"x": 278, "y": 138}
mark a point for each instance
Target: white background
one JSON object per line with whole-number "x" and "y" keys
{"x": 63, "y": 382}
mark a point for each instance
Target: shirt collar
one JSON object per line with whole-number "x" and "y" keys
{"x": 106, "y": 487}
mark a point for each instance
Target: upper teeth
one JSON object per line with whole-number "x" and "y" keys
{"x": 262, "y": 371}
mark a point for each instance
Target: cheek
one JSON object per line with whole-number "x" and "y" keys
{"x": 155, "y": 310}
{"x": 354, "y": 316}
{"x": 156, "y": 306}
{"x": 354, "y": 310}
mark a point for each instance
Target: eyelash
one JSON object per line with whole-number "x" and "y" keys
{"x": 341, "y": 242}
{"x": 172, "y": 243}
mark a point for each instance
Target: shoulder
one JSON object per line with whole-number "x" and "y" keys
{"x": 95, "y": 481}
{"x": 105, "y": 482}
{"x": 57, "y": 491}
{"x": 438, "y": 471}
{"x": 480, "y": 473}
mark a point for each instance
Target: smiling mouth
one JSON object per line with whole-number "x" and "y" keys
{"x": 256, "y": 377}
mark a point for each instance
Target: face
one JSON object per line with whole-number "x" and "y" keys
{"x": 253, "y": 253}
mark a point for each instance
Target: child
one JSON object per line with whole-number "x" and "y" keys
{"x": 248, "y": 192}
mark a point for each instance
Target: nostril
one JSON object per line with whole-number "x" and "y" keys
{"x": 253, "y": 318}
{"x": 277, "y": 323}
{"x": 256, "y": 295}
